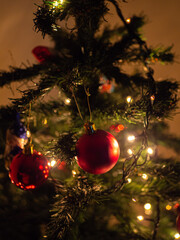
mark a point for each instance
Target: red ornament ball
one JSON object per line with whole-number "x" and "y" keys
{"x": 42, "y": 53}
{"x": 98, "y": 152}
{"x": 29, "y": 171}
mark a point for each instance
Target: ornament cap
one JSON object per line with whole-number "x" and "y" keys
{"x": 90, "y": 127}
{"x": 28, "y": 148}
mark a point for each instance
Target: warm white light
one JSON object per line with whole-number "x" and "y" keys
{"x": 144, "y": 176}
{"x": 152, "y": 98}
{"x": 150, "y": 150}
{"x": 73, "y": 172}
{"x": 53, "y": 162}
{"x": 28, "y": 133}
{"x": 67, "y": 101}
{"x": 131, "y": 138}
{"x": 140, "y": 218}
{"x": 177, "y": 236}
{"x": 129, "y": 151}
{"x": 129, "y": 180}
{"x": 133, "y": 199}
{"x": 147, "y": 206}
{"x": 128, "y": 20}
{"x": 129, "y": 99}
{"x": 45, "y": 121}
{"x": 55, "y": 4}
{"x": 168, "y": 207}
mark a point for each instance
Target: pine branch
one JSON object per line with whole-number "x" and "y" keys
{"x": 19, "y": 74}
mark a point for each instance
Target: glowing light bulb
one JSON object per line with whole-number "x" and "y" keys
{"x": 168, "y": 207}
{"x": 28, "y": 133}
{"x": 67, "y": 101}
{"x": 133, "y": 199}
{"x": 74, "y": 173}
{"x": 150, "y": 151}
{"x": 55, "y": 4}
{"x": 131, "y": 138}
{"x": 177, "y": 236}
{"x": 128, "y": 20}
{"x": 44, "y": 121}
{"x": 129, "y": 180}
{"x": 144, "y": 176}
{"x": 53, "y": 162}
{"x": 140, "y": 218}
{"x": 147, "y": 206}
{"x": 152, "y": 98}
{"x": 129, "y": 99}
{"x": 130, "y": 152}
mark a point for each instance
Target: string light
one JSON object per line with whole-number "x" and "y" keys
{"x": 177, "y": 236}
{"x": 45, "y": 121}
{"x": 144, "y": 176}
{"x": 53, "y": 162}
{"x": 129, "y": 99}
{"x": 57, "y": 3}
{"x": 67, "y": 101}
{"x": 150, "y": 151}
{"x": 140, "y": 218}
{"x": 129, "y": 180}
{"x": 28, "y": 133}
{"x": 128, "y": 20}
{"x": 147, "y": 206}
{"x": 130, "y": 152}
{"x": 131, "y": 138}
{"x": 168, "y": 207}
{"x": 152, "y": 98}
{"x": 133, "y": 199}
{"x": 74, "y": 173}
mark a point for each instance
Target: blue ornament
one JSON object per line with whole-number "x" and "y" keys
{"x": 18, "y": 128}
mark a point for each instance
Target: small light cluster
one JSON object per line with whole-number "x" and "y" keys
{"x": 128, "y": 20}
{"x": 57, "y": 3}
{"x": 52, "y": 163}
{"x": 177, "y": 236}
{"x": 144, "y": 176}
{"x": 140, "y": 218}
{"x": 168, "y": 207}
{"x": 67, "y": 101}
{"x": 131, "y": 138}
{"x": 129, "y": 99}
{"x": 130, "y": 152}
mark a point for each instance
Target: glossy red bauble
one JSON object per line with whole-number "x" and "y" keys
{"x": 42, "y": 53}
{"x": 98, "y": 152}
{"x": 29, "y": 171}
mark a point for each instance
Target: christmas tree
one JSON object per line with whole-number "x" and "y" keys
{"x": 96, "y": 115}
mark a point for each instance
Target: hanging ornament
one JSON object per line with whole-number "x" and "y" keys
{"x": 97, "y": 150}
{"x": 106, "y": 86}
{"x": 42, "y": 54}
{"x": 29, "y": 169}
{"x": 16, "y": 138}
